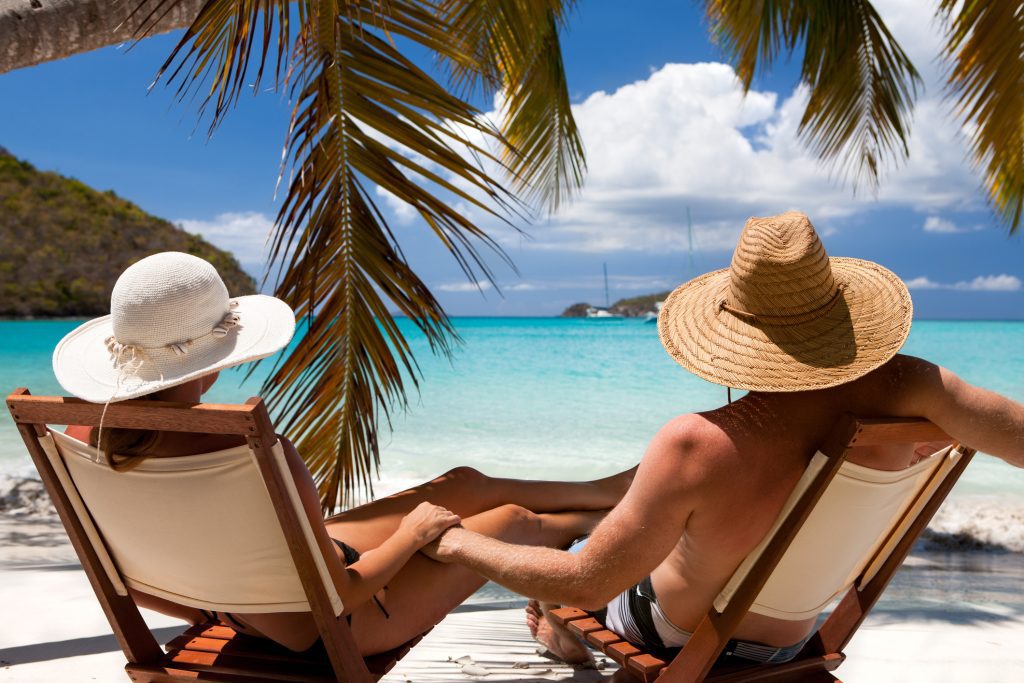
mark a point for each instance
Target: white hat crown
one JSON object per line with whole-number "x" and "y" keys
{"x": 167, "y": 298}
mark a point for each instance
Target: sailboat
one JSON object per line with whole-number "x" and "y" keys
{"x": 599, "y": 313}
{"x": 652, "y": 316}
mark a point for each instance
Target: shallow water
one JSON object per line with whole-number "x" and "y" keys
{"x": 565, "y": 399}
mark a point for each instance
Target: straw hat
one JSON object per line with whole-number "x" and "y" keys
{"x": 784, "y": 316}
{"x": 170, "y": 321}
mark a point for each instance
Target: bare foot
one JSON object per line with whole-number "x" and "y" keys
{"x": 559, "y": 642}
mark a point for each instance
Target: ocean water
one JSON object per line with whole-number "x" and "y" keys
{"x": 573, "y": 399}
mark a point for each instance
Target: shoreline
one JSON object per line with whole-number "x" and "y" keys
{"x": 980, "y": 527}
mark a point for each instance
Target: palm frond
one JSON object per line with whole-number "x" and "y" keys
{"x": 516, "y": 51}
{"x": 862, "y": 85}
{"x": 985, "y": 45}
{"x": 363, "y": 115}
{"x": 215, "y": 52}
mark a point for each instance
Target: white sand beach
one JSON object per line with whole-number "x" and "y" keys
{"x": 966, "y": 626}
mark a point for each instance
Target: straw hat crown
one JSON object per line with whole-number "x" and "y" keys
{"x": 785, "y": 316}
{"x": 167, "y": 298}
{"x": 780, "y": 272}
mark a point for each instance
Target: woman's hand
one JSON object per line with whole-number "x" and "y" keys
{"x": 427, "y": 522}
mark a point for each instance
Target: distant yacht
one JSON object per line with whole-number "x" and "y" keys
{"x": 652, "y": 316}
{"x": 603, "y": 312}
{"x": 600, "y": 312}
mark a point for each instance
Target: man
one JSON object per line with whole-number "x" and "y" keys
{"x": 810, "y": 337}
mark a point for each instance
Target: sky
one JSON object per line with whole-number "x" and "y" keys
{"x": 668, "y": 133}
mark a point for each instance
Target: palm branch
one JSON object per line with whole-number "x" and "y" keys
{"x": 359, "y": 108}
{"x": 985, "y": 44}
{"x": 861, "y": 84}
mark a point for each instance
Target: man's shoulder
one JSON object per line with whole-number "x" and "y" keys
{"x": 694, "y": 439}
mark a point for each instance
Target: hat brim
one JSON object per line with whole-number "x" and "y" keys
{"x": 866, "y": 326}
{"x": 85, "y": 369}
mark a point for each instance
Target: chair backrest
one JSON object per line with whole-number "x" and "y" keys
{"x": 205, "y": 530}
{"x": 845, "y": 529}
{"x": 199, "y": 530}
{"x": 854, "y": 523}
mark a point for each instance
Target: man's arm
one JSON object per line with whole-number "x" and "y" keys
{"x": 630, "y": 542}
{"x": 977, "y": 417}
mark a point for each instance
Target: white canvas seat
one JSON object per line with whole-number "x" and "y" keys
{"x": 859, "y": 515}
{"x": 199, "y": 530}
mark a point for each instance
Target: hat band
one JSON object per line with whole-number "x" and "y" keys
{"x": 785, "y": 319}
{"x": 121, "y": 353}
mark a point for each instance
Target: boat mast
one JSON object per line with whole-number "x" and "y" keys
{"x": 689, "y": 235}
{"x": 607, "y": 301}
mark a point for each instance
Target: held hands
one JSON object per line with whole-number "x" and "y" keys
{"x": 427, "y": 522}
{"x": 445, "y": 547}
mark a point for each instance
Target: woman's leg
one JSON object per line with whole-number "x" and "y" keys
{"x": 467, "y": 492}
{"x": 424, "y": 591}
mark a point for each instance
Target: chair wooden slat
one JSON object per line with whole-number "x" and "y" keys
{"x": 622, "y": 651}
{"x": 563, "y": 615}
{"x": 873, "y": 432}
{"x": 581, "y": 627}
{"x": 603, "y": 638}
{"x": 646, "y": 667}
{"x": 204, "y": 418}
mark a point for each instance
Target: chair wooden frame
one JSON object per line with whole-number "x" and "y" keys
{"x": 823, "y": 653}
{"x": 210, "y": 651}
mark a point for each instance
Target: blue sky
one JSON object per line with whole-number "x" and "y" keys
{"x": 666, "y": 130}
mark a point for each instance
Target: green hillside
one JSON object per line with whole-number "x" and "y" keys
{"x": 63, "y": 244}
{"x": 634, "y": 307}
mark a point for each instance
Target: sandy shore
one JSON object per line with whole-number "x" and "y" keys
{"x": 947, "y": 617}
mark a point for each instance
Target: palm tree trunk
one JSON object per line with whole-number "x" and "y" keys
{"x": 35, "y": 31}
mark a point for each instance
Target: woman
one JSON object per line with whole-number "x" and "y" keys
{"x": 172, "y": 328}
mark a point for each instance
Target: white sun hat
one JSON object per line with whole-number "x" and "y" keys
{"x": 171, "y": 321}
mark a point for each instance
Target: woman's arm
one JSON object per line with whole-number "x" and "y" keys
{"x": 377, "y": 567}
{"x": 359, "y": 582}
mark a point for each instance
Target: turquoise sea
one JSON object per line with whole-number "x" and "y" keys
{"x": 567, "y": 399}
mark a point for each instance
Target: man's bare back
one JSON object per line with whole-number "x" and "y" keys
{"x": 711, "y": 485}
{"x": 756, "y": 449}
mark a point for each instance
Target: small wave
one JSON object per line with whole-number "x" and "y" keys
{"x": 977, "y": 525}
{"x": 960, "y": 525}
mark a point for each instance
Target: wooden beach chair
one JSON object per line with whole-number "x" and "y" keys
{"x": 221, "y": 531}
{"x": 844, "y": 530}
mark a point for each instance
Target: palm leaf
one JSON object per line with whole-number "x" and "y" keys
{"x": 985, "y": 44}
{"x": 862, "y": 85}
{"x": 516, "y": 51}
{"x": 359, "y": 108}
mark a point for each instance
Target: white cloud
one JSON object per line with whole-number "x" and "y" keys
{"x": 938, "y": 224}
{"x": 982, "y": 283}
{"x": 403, "y": 212}
{"x": 991, "y": 283}
{"x": 686, "y": 137}
{"x": 244, "y": 234}
{"x": 479, "y": 285}
{"x": 922, "y": 283}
